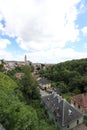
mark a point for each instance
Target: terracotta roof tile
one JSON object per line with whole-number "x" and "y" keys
{"x": 81, "y": 99}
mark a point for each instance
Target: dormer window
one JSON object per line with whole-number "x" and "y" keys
{"x": 69, "y": 112}
{"x": 48, "y": 99}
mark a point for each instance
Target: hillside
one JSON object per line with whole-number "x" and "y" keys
{"x": 7, "y": 82}
{"x": 20, "y": 106}
{"x": 69, "y": 76}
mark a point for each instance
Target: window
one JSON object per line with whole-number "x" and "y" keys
{"x": 68, "y": 126}
{"x": 77, "y": 122}
{"x": 79, "y": 106}
{"x": 55, "y": 120}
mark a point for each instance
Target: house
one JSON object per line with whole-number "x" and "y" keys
{"x": 0, "y": 62}
{"x": 80, "y": 102}
{"x": 61, "y": 112}
{"x": 37, "y": 66}
{"x": 44, "y": 83}
{"x": 18, "y": 75}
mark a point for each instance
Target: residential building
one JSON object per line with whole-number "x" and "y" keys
{"x": 18, "y": 75}
{"x": 80, "y": 102}
{"x": 44, "y": 83}
{"x": 0, "y": 62}
{"x": 61, "y": 112}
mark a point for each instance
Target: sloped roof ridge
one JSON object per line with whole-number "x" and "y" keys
{"x": 64, "y": 108}
{"x": 75, "y": 112}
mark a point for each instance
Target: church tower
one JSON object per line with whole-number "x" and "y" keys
{"x": 25, "y": 59}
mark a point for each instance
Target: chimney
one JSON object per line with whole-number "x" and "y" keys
{"x": 59, "y": 98}
{"x": 54, "y": 94}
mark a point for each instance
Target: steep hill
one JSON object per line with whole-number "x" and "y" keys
{"x": 7, "y": 82}
{"x": 14, "y": 114}
{"x": 18, "y": 111}
{"x": 69, "y": 76}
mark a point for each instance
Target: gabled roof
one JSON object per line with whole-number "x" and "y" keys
{"x": 64, "y": 113}
{"x": 81, "y": 99}
{"x": 44, "y": 81}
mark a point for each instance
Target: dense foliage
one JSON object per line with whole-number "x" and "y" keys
{"x": 20, "y": 105}
{"x": 69, "y": 76}
{"x": 14, "y": 114}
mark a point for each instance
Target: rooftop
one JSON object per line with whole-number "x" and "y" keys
{"x": 64, "y": 113}
{"x": 81, "y": 99}
{"x": 44, "y": 81}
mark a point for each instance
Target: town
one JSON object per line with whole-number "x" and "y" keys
{"x": 66, "y": 115}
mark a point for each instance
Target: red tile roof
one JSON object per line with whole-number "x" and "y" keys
{"x": 18, "y": 75}
{"x": 80, "y": 99}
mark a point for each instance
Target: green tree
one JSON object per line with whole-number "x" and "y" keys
{"x": 29, "y": 84}
{"x": 14, "y": 114}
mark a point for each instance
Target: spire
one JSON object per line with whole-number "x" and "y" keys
{"x": 25, "y": 59}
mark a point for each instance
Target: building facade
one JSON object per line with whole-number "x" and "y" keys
{"x": 80, "y": 102}
{"x": 44, "y": 84}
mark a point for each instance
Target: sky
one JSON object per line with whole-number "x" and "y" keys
{"x": 47, "y": 31}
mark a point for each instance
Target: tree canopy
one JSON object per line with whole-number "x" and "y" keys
{"x": 20, "y": 105}
{"x": 69, "y": 76}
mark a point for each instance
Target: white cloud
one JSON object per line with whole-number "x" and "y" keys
{"x": 41, "y": 22}
{"x": 1, "y": 27}
{"x": 55, "y": 55}
{"x": 84, "y": 30}
{"x": 1, "y": 17}
{"x": 6, "y": 55}
{"x": 4, "y": 43}
{"x": 85, "y": 45}
{"x": 43, "y": 27}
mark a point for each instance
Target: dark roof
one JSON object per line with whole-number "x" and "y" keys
{"x": 44, "y": 81}
{"x": 81, "y": 99}
{"x": 64, "y": 113}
